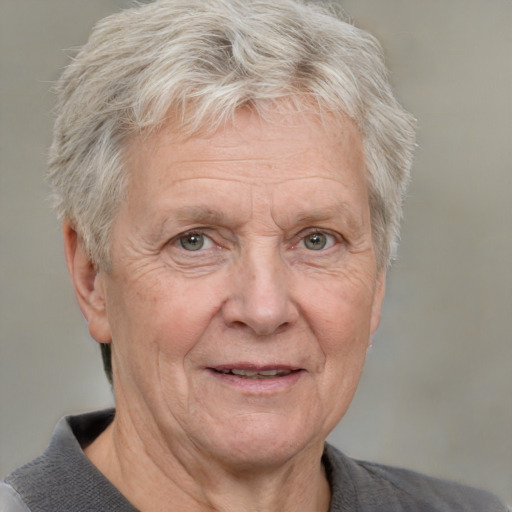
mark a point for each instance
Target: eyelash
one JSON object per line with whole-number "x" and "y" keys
{"x": 194, "y": 233}
{"x": 332, "y": 238}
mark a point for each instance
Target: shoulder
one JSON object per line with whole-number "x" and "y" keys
{"x": 10, "y": 500}
{"x": 374, "y": 486}
{"x": 62, "y": 478}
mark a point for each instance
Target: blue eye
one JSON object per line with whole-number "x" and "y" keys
{"x": 194, "y": 241}
{"x": 317, "y": 241}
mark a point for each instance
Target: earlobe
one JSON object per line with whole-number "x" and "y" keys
{"x": 380, "y": 290}
{"x": 88, "y": 283}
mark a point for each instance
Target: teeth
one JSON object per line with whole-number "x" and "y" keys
{"x": 268, "y": 373}
{"x": 257, "y": 375}
{"x": 244, "y": 373}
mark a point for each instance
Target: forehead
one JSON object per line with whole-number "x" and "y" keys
{"x": 296, "y": 145}
{"x": 290, "y": 168}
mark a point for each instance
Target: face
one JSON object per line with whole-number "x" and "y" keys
{"x": 243, "y": 289}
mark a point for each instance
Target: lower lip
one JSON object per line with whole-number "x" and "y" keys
{"x": 259, "y": 386}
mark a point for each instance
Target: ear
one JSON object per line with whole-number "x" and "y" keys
{"x": 380, "y": 290}
{"x": 89, "y": 285}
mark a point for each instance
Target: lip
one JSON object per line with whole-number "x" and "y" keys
{"x": 251, "y": 367}
{"x": 267, "y": 385}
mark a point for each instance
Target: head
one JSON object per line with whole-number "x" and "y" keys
{"x": 196, "y": 68}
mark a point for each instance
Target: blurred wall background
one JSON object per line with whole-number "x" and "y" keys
{"x": 436, "y": 394}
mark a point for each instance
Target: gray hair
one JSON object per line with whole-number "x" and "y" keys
{"x": 195, "y": 62}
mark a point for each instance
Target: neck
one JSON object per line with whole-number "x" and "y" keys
{"x": 152, "y": 475}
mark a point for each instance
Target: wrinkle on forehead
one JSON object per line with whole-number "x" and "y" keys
{"x": 289, "y": 165}
{"x": 282, "y": 137}
{"x": 254, "y": 180}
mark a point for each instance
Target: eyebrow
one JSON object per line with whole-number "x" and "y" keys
{"x": 211, "y": 216}
{"x": 214, "y": 216}
{"x": 200, "y": 214}
{"x": 338, "y": 211}
{"x": 190, "y": 214}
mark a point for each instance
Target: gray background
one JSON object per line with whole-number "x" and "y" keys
{"x": 436, "y": 394}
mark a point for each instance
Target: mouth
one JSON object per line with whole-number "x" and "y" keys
{"x": 255, "y": 374}
{"x": 257, "y": 380}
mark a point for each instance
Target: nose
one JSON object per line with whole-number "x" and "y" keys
{"x": 260, "y": 296}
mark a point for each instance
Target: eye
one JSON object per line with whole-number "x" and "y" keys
{"x": 318, "y": 240}
{"x": 195, "y": 241}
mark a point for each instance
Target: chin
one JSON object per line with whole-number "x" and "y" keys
{"x": 262, "y": 441}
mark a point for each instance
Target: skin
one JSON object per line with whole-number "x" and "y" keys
{"x": 257, "y": 295}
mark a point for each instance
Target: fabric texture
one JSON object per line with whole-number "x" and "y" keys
{"x": 62, "y": 479}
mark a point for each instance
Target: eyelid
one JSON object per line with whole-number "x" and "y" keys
{"x": 175, "y": 241}
{"x": 337, "y": 238}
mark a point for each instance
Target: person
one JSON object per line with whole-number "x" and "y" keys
{"x": 229, "y": 175}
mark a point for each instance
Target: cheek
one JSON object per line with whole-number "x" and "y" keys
{"x": 156, "y": 325}
{"x": 340, "y": 319}
{"x": 339, "y": 310}
{"x": 339, "y": 313}
{"x": 164, "y": 314}
{"x": 341, "y": 336}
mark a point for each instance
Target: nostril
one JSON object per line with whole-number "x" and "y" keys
{"x": 260, "y": 330}
{"x": 238, "y": 325}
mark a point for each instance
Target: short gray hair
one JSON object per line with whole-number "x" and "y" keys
{"x": 196, "y": 62}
